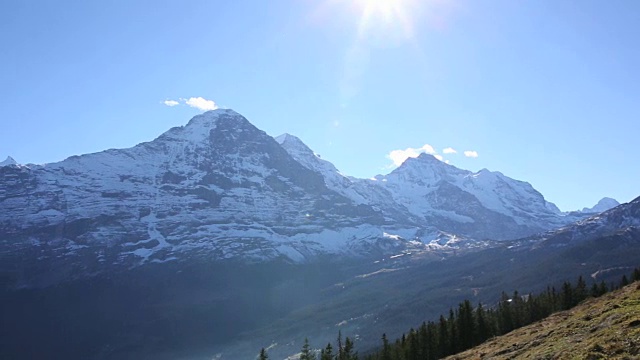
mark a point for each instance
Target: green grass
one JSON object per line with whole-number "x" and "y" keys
{"x": 604, "y": 328}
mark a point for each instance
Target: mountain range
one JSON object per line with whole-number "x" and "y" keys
{"x": 221, "y": 188}
{"x": 218, "y": 226}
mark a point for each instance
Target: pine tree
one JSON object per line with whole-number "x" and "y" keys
{"x": 553, "y": 302}
{"x": 624, "y": 281}
{"x": 452, "y": 333}
{"x": 263, "y": 354}
{"x": 424, "y": 340}
{"x": 307, "y": 353}
{"x": 465, "y": 325}
{"x": 517, "y": 310}
{"x": 580, "y": 292}
{"x": 443, "y": 338}
{"x": 594, "y": 292}
{"x": 567, "y": 296}
{"x": 482, "y": 327}
{"x": 431, "y": 347}
{"x": 386, "y": 349}
{"x": 348, "y": 350}
{"x": 327, "y": 353}
{"x": 505, "y": 319}
{"x": 636, "y": 274}
{"x": 340, "y": 354}
{"x": 602, "y": 288}
{"x": 413, "y": 349}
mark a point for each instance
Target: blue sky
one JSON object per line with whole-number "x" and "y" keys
{"x": 543, "y": 91}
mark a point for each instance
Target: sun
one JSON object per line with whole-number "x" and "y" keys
{"x": 385, "y": 13}
{"x": 385, "y": 8}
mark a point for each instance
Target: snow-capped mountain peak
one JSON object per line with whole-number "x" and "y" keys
{"x": 603, "y": 205}
{"x": 199, "y": 127}
{"x": 424, "y": 169}
{"x": 8, "y": 161}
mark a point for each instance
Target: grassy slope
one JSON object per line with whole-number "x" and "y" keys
{"x": 604, "y": 328}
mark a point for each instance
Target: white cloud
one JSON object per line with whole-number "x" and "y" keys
{"x": 399, "y": 156}
{"x": 200, "y": 103}
{"x": 471, "y": 154}
{"x": 449, "y": 150}
{"x": 428, "y": 149}
{"x": 171, "y": 102}
{"x": 439, "y": 157}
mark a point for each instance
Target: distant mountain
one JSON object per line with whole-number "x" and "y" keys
{"x": 480, "y": 205}
{"x": 621, "y": 221}
{"x": 603, "y": 205}
{"x": 8, "y": 161}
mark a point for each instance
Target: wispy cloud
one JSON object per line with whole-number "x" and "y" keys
{"x": 449, "y": 150}
{"x": 471, "y": 154}
{"x": 200, "y": 103}
{"x": 195, "y": 102}
{"x": 399, "y": 156}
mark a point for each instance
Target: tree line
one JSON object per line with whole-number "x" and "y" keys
{"x": 466, "y": 326}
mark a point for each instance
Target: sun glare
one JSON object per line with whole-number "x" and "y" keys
{"x": 386, "y": 13}
{"x": 386, "y": 8}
